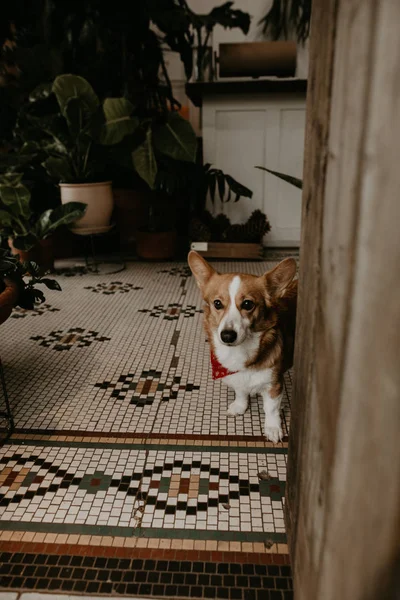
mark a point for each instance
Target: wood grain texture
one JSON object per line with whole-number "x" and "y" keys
{"x": 315, "y": 163}
{"x": 344, "y": 462}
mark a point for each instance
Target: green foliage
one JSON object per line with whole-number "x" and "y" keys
{"x": 73, "y": 143}
{"x": 288, "y": 178}
{"x": 219, "y": 229}
{"x": 26, "y": 276}
{"x": 18, "y": 221}
{"x": 286, "y": 16}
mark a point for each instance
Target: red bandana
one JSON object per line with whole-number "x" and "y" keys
{"x": 218, "y": 371}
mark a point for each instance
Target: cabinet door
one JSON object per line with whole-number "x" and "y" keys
{"x": 242, "y": 132}
{"x": 284, "y": 152}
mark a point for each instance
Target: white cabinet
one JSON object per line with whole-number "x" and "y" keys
{"x": 242, "y": 130}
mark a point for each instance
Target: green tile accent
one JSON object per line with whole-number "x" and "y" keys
{"x": 274, "y": 489}
{"x": 109, "y": 530}
{"x": 87, "y": 484}
{"x": 164, "y": 484}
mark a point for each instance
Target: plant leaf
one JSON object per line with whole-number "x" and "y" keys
{"x": 238, "y": 188}
{"x": 288, "y": 178}
{"x": 25, "y": 242}
{"x": 64, "y": 215}
{"x": 221, "y": 185}
{"x": 17, "y": 198}
{"x": 176, "y": 138}
{"x": 144, "y": 161}
{"x": 212, "y": 184}
{"x": 118, "y": 123}
{"x": 73, "y": 86}
{"x": 59, "y": 168}
{"x": 6, "y": 219}
{"x": 52, "y": 284}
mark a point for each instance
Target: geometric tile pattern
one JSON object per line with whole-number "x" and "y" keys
{"x": 113, "y": 287}
{"x": 164, "y": 490}
{"x": 171, "y": 312}
{"x": 65, "y": 340}
{"x": 40, "y": 309}
{"x": 125, "y": 452}
{"x": 141, "y": 390}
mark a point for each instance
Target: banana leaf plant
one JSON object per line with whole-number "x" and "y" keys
{"x": 26, "y": 276}
{"x": 184, "y": 30}
{"x": 288, "y": 178}
{"x": 17, "y": 220}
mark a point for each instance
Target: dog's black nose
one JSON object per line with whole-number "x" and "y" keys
{"x": 228, "y": 336}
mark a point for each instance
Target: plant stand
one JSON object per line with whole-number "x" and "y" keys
{"x": 229, "y": 250}
{"x": 6, "y": 415}
{"x": 92, "y": 262}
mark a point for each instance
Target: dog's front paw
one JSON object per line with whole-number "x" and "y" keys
{"x": 236, "y": 408}
{"x": 273, "y": 434}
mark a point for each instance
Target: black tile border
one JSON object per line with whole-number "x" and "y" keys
{"x": 144, "y": 577}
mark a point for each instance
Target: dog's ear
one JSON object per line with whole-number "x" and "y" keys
{"x": 278, "y": 279}
{"x": 200, "y": 268}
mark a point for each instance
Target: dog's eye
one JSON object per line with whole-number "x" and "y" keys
{"x": 247, "y": 304}
{"x": 218, "y": 304}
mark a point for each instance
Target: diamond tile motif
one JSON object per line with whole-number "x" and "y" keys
{"x": 65, "y": 340}
{"x": 40, "y": 309}
{"x": 113, "y": 287}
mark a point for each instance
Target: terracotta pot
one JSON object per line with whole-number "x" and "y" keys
{"x": 8, "y": 299}
{"x": 42, "y": 254}
{"x": 156, "y": 246}
{"x": 130, "y": 214}
{"x": 99, "y": 200}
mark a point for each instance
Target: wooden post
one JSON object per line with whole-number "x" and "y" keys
{"x": 343, "y": 507}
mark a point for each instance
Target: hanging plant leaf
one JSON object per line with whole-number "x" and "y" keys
{"x": 176, "y": 138}
{"x": 144, "y": 161}
{"x": 288, "y": 178}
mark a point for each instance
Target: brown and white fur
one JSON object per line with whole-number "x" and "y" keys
{"x": 250, "y": 324}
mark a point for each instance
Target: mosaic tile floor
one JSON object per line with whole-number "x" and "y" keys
{"x": 125, "y": 475}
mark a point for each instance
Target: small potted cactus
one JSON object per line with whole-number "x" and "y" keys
{"x": 217, "y": 237}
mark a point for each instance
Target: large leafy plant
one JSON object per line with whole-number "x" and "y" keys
{"x": 74, "y": 140}
{"x": 18, "y": 221}
{"x": 26, "y": 276}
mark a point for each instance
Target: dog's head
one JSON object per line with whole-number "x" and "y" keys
{"x": 239, "y": 304}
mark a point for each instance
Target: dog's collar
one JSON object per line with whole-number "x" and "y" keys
{"x": 218, "y": 371}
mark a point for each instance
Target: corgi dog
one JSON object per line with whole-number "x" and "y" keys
{"x": 250, "y": 325}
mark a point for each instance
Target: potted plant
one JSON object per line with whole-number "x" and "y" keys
{"x": 189, "y": 30}
{"x": 18, "y": 283}
{"x": 29, "y": 235}
{"x": 217, "y": 237}
{"x": 75, "y": 143}
{"x": 169, "y": 138}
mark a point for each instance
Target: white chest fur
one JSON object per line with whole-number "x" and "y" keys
{"x": 234, "y": 358}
